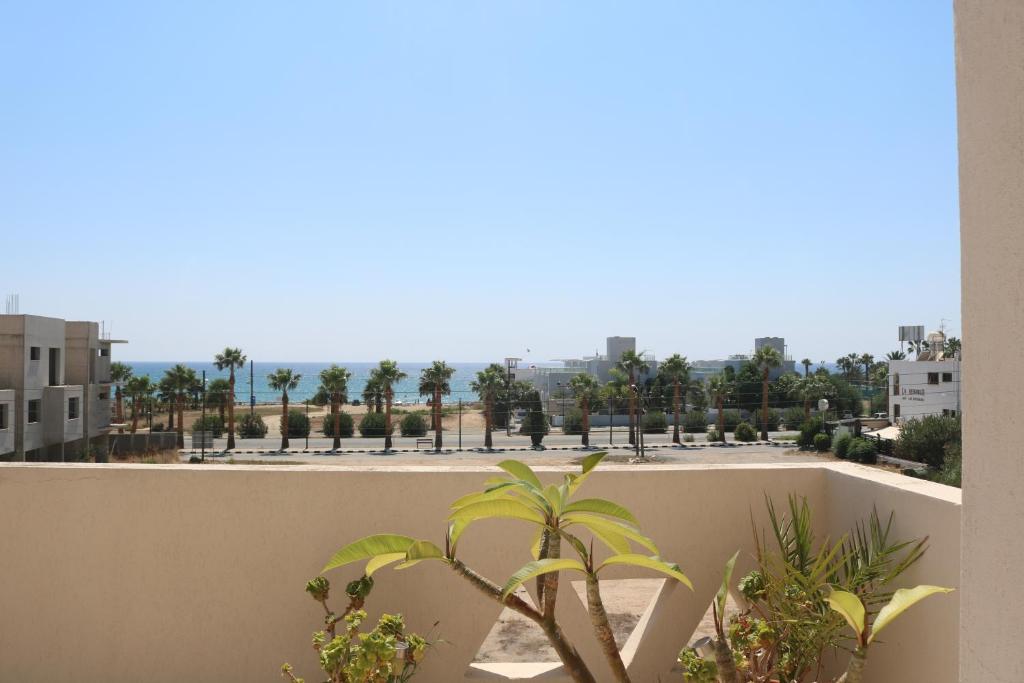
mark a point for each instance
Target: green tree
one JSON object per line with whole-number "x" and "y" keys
{"x": 373, "y": 392}
{"x": 167, "y": 396}
{"x": 896, "y": 355}
{"x": 217, "y": 396}
{"x": 587, "y": 392}
{"x": 675, "y": 370}
{"x": 388, "y": 374}
{"x": 487, "y": 385}
{"x": 951, "y": 348}
{"x": 230, "y": 359}
{"x": 180, "y": 381}
{"x": 867, "y": 360}
{"x": 720, "y": 388}
{"x": 765, "y": 360}
{"x": 810, "y": 390}
{"x": 284, "y": 380}
{"x": 806, "y": 362}
{"x": 119, "y": 374}
{"x": 632, "y": 364}
{"x": 334, "y": 382}
{"x": 140, "y": 390}
{"x": 435, "y": 382}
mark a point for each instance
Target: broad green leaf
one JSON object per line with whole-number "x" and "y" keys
{"x": 554, "y": 499}
{"x": 501, "y": 507}
{"x": 538, "y": 567}
{"x": 538, "y": 538}
{"x": 902, "y": 600}
{"x": 851, "y": 608}
{"x": 419, "y": 551}
{"x": 379, "y": 561}
{"x": 603, "y": 507}
{"x": 616, "y": 542}
{"x": 455, "y": 530}
{"x": 477, "y": 496}
{"x": 371, "y": 546}
{"x": 592, "y": 460}
{"x": 723, "y": 591}
{"x": 605, "y": 525}
{"x": 522, "y": 471}
{"x": 655, "y": 563}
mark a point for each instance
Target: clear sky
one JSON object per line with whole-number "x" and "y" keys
{"x": 352, "y": 181}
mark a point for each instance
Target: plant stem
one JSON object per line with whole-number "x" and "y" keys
{"x": 570, "y": 658}
{"x": 551, "y": 578}
{"x": 603, "y": 630}
{"x": 855, "y": 670}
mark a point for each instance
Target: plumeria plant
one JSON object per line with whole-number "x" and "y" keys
{"x": 560, "y": 521}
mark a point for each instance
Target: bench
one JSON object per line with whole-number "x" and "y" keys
{"x": 429, "y": 443}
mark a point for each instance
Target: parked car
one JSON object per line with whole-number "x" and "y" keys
{"x": 881, "y": 416}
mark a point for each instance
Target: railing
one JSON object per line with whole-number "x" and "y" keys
{"x": 127, "y": 573}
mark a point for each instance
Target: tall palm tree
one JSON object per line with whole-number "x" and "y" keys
{"x": 166, "y": 395}
{"x": 119, "y": 374}
{"x": 846, "y": 365}
{"x": 765, "y": 359}
{"x": 139, "y": 390}
{"x": 632, "y": 364}
{"x": 866, "y": 359}
{"x": 675, "y": 370}
{"x": 807, "y": 363}
{"x": 180, "y": 381}
{"x": 719, "y": 390}
{"x": 334, "y": 382}
{"x": 435, "y": 382}
{"x": 230, "y": 358}
{"x": 488, "y": 383}
{"x": 388, "y": 375}
{"x": 284, "y": 380}
{"x": 217, "y": 395}
{"x": 373, "y": 392}
{"x": 952, "y": 347}
{"x": 587, "y": 391}
{"x": 898, "y": 354}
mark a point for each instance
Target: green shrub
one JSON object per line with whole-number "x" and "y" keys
{"x": 807, "y": 431}
{"x": 536, "y": 425}
{"x": 654, "y": 422}
{"x": 695, "y": 421}
{"x": 745, "y": 432}
{"x": 212, "y": 423}
{"x": 413, "y": 424}
{"x": 573, "y": 421}
{"x": 774, "y": 419}
{"x": 372, "y": 425}
{"x": 346, "y": 425}
{"x": 157, "y": 427}
{"x": 688, "y": 438}
{"x": 298, "y": 424}
{"x": 793, "y": 417}
{"x": 732, "y": 418}
{"x": 925, "y": 439}
{"x": 251, "y": 426}
{"x": 842, "y": 444}
{"x": 713, "y": 435}
{"x": 950, "y": 472}
{"x": 822, "y": 442}
{"x": 862, "y": 450}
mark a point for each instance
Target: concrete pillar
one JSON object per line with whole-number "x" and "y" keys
{"x": 990, "y": 104}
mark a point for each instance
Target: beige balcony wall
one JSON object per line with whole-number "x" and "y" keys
{"x": 131, "y": 573}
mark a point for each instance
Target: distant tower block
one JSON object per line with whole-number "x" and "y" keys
{"x": 777, "y": 343}
{"x": 618, "y": 345}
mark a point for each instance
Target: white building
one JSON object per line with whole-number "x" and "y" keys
{"x": 927, "y": 385}
{"x": 54, "y": 388}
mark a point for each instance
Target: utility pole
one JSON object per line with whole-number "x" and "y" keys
{"x": 202, "y": 433}
{"x": 460, "y": 424}
{"x": 252, "y": 389}
{"x": 610, "y": 416}
{"x": 510, "y": 365}
{"x": 307, "y": 424}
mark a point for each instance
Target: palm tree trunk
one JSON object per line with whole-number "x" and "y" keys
{"x": 675, "y": 412}
{"x": 135, "y": 415}
{"x": 231, "y": 410}
{"x": 721, "y": 419}
{"x": 181, "y": 420}
{"x": 336, "y": 416}
{"x": 488, "y": 409}
{"x": 632, "y": 412}
{"x": 603, "y": 630}
{"x": 120, "y": 408}
{"x": 764, "y": 406}
{"x": 807, "y": 410}
{"x": 284, "y": 420}
{"x": 387, "y": 419}
{"x": 170, "y": 415}
{"x": 586, "y": 422}
{"x": 437, "y": 419}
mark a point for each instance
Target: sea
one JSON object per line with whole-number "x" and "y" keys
{"x": 254, "y": 385}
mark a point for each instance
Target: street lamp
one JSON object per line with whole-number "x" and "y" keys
{"x": 510, "y": 365}
{"x": 639, "y": 445}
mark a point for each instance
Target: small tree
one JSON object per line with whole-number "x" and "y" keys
{"x": 413, "y": 424}
{"x": 588, "y": 393}
{"x": 251, "y": 426}
{"x": 341, "y": 428}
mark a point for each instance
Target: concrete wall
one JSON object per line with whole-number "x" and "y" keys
{"x": 990, "y": 108}
{"x": 7, "y": 432}
{"x": 156, "y": 573}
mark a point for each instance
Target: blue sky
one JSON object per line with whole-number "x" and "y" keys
{"x": 318, "y": 181}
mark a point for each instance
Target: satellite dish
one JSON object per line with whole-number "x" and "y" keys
{"x": 822, "y": 404}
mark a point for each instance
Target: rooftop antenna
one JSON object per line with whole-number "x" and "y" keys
{"x": 12, "y": 304}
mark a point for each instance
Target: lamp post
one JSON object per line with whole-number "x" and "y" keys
{"x": 202, "y": 433}
{"x": 510, "y": 365}
{"x": 307, "y": 424}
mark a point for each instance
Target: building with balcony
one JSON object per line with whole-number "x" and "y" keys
{"x": 55, "y": 388}
{"x": 928, "y": 384}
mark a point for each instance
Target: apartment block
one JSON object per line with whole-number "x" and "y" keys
{"x": 55, "y": 388}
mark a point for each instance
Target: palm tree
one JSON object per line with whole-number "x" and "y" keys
{"x": 632, "y": 364}
{"x": 807, "y": 363}
{"x": 586, "y": 390}
{"x": 388, "y": 375}
{"x": 119, "y": 374}
{"x": 166, "y": 395}
{"x": 675, "y": 370}
{"x": 139, "y": 389}
{"x": 334, "y": 382}
{"x": 217, "y": 395}
{"x": 765, "y": 359}
{"x": 284, "y": 380}
{"x": 952, "y": 347}
{"x": 180, "y": 381}
{"x": 846, "y": 365}
{"x": 230, "y": 358}
{"x": 373, "y": 393}
{"x": 866, "y": 359}
{"x": 811, "y": 389}
{"x": 719, "y": 389}
{"x": 896, "y": 355}
{"x": 435, "y": 382}
{"x": 488, "y": 383}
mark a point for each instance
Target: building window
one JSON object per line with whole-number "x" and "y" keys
{"x": 105, "y": 395}
{"x": 3, "y": 416}
{"x": 896, "y": 384}
{"x": 933, "y": 378}
{"x": 33, "y": 410}
{"x": 896, "y": 410}
{"x": 945, "y": 412}
{"x": 34, "y": 353}
{"x": 104, "y": 353}
{"x": 947, "y": 377}
{"x": 73, "y": 408}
